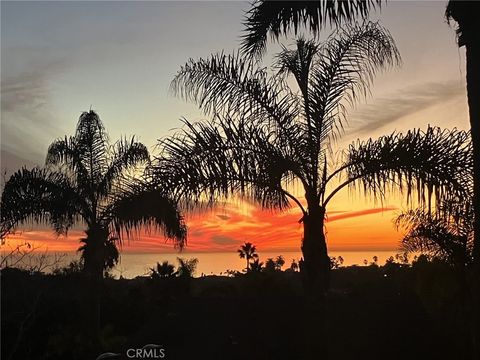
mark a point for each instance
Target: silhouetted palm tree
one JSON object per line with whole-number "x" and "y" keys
{"x": 256, "y": 266}
{"x": 89, "y": 181}
{"x": 187, "y": 267}
{"x": 270, "y": 135}
{"x": 467, "y": 14}
{"x": 248, "y": 251}
{"x": 275, "y": 18}
{"x": 446, "y": 233}
{"x": 163, "y": 270}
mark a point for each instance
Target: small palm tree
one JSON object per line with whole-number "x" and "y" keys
{"x": 89, "y": 181}
{"x": 271, "y": 134}
{"x": 256, "y": 266}
{"x": 163, "y": 270}
{"x": 248, "y": 251}
{"x": 187, "y": 267}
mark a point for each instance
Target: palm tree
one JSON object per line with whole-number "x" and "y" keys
{"x": 248, "y": 251}
{"x": 256, "y": 266}
{"x": 275, "y": 18}
{"x": 270, "y": 134}
{"x": 89, "y": 181}
{"x": 466, "y": 15}
{"x": 446, "y": 233}
{"x": 163, "y": 270}
{"x": 187, "y": 267}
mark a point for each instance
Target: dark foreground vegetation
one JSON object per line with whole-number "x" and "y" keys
{"x": 394, "y": 311}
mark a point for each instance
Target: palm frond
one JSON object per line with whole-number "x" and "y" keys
{"x": 91, "y": 141}
{"x": 276, "y": 18}
{"x": 230, "y": 84}
{"x": 437, "y": 235}
{"x": 147, "y": 208}
{"x": 127, "y": 155}
{"x": 41, "y": 196}
{"x": 64, "y": 153}
{"x": 435, "y": 164}
{"x": 343, "y": 73}
{"x": 226, "y": 157}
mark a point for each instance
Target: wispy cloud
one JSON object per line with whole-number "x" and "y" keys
{"x": 28, "y": 117}
{"x": 404, "y": 102}
{"x": 353, "y": 214}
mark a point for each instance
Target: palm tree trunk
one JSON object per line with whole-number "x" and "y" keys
{"x": 473, "y": 93}
{"x": 94, "y": 255}
{"x": 315, "y": 270}
{"x": 94, "y": 251}
{"x": 316, "y": 263}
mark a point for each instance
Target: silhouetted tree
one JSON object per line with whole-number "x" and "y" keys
{"x": 270, "y": 266}
{"x": 163, "y": 270}
{"x": 446, "y": 233}
{"x": 187, "y": 267}
{"x": 248, "y": 251}
{"x": 269, "y": 135}
{"x": 87, "y": 181}
{"x": 279, "y": 262}
{"x": 275, "y": 18}
{"x": 256, "y": 266}
{"x": 466, "y": 14}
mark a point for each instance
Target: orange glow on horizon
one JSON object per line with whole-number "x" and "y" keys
{"x": 225, "y": 229}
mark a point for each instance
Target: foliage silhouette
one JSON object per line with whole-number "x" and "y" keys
{"x": 446, "y": 233}
{"x": 248, "y": 251}
{"x": 268, "y": 136}
{"x": 89, "y": 181}
{"x": 163, "y": 270}
{"x": 276, "y": 18}
{"x": 187, "y": 267}
{"x": 466, "y": 15}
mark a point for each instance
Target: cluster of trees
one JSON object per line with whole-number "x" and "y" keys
{"x": 165, "y": 270}
{"x": 248, "y": 251}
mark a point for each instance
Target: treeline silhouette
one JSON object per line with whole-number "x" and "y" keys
{"x": 396, "y": 310}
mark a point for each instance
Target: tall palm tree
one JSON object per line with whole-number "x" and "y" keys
{"x": 91, "y": 182}
{"x": 466, "y": 15}
{"x": 276, "y": 18}
{"x": 271, "y": 133}
{"x": 248, "y": 251}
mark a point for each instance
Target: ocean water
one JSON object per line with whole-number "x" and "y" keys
{"x": 217, "y": 263}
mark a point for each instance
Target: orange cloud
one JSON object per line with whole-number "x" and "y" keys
{"x": 226, "y": 228}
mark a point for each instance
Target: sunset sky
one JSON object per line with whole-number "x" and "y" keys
{"x": 61, "y": 58}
